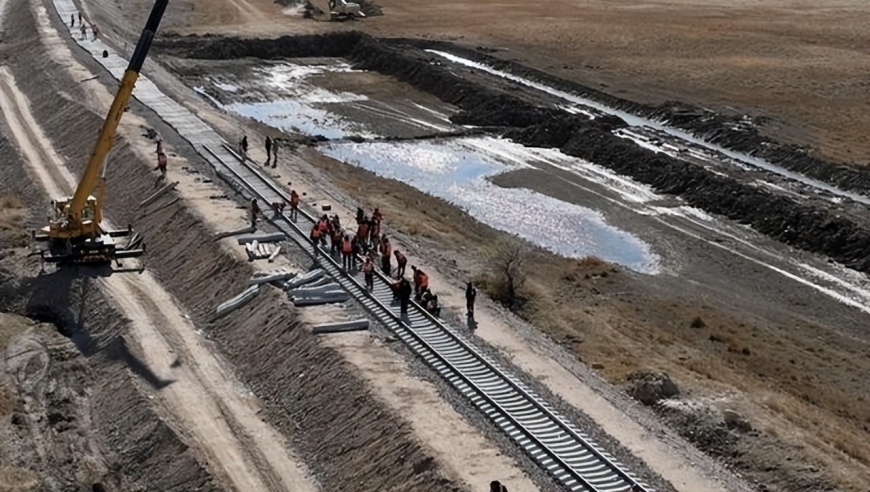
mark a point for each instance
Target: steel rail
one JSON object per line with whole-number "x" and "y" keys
{"x": 556, "y": 445}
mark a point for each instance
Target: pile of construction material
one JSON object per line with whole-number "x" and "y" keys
{"x": 257, "y": 248}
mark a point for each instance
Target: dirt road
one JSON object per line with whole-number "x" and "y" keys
{"x": 200, "y": 395}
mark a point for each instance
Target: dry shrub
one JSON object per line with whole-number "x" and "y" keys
{"x": 506, "y": 270}
{"x": 697, "y": 322}
{"x": 591, "y": 262}
{"x": 9, "y": 202}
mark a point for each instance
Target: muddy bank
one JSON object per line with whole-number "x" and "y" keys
{"x": 309, "y": 394}
{"x": 808, "y": 227}
{"x": 733, "y": 131}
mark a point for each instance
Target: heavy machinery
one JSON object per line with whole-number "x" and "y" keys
{"x": 335, "y": 10}
{"x": 75, "y": 235}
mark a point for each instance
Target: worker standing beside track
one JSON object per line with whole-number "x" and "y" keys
{"x": 268, "y": 150}
{"x": 470, "y": 296}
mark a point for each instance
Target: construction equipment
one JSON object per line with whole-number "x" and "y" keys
{"x": 75, "y": 235}
{"x": 335, "y": 10}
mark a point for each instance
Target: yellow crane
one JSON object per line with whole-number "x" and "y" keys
{"x": 75, "y": 234}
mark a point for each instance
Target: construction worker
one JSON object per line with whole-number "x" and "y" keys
{"x": 404, "y": 291}
{"x": 377, "y": 215}
{"x": 315, "y": 237}
{"x": 374, "y": 227}
{"x": 84, "y": 29}
{"x": 72, "y": 20}
{"x": 96, "y": 31}
{"x": 335, "y": 241}
{"x": 278, "y": 207}
{"x": 385, "y": 249}
{"x": 80, "y": 18}
{"x": 401, "y": 261}
{"x": 268, "y": 150}
{"x": 421, "y": 282}
{"x": 255, "y": 211}
{"x": 369, "y": 272}
{"x": 346, "y": 253}
{"x": 496, "y": 486}
{"x": 470, "y": 296}
{"x": 294, "y": 205}
{"x": 362, "y": 234}
{"x": 243, "y": 147}
{"x": 161, "y": 163}
{"x": 360, "y": 215}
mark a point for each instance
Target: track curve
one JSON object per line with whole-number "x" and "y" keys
{"x": 559, "y": 447}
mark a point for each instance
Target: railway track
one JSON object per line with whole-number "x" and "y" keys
{"x": 559, "y": 447}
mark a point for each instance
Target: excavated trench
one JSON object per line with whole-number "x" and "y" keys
{"x": 309, "y": 393}
{"x": 807, "y": 226}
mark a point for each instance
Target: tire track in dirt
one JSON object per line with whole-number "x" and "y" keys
{"x": 203, "y": 398}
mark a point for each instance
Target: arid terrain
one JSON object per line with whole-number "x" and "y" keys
{"x": 746, "y": 286}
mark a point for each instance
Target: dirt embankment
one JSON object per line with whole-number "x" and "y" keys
{"x": 804, "y": 226}
{"x": 309, "y": 393}
{"x": 70, "y": 415}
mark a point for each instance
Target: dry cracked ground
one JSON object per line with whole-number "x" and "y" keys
{"x": 125, "y": 382}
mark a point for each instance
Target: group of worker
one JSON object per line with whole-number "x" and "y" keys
{"x": 271, "y": 150}
{"x": 83, "y": 26}
{"x": 375, "y": 247}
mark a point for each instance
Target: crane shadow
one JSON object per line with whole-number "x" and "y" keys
{"x": 66, "y": 298}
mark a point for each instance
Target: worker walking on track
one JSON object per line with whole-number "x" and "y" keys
{"x": 369, "y": 272}
{"x": 268, "y": 150}
{"x": 294, "y": 205}
{"x": 84, "y": 29}
{"x": 346, "y": 253}
{"x": 421, "y": 283}
{"x": 386, "y": 250}
{"x": 315, "y": 239}
{"x": 243, "y": 147}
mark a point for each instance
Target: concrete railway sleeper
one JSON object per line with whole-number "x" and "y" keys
{"x": 555, "y": 444}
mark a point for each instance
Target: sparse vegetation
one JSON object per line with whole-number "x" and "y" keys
{"x": 506, "y": 260}
{"x": 698, "y": 323}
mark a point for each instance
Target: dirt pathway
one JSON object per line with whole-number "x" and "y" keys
{"x": 206, "y": 401}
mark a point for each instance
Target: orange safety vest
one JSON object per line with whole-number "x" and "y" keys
{"x": 346, "y": 247}
{"x": 401, "y": 259}
{"x": 368, "y": 267}
{"x": 315, "y": 233}
{"x": 386, "y": 249}
{"x": 294, "y": 199}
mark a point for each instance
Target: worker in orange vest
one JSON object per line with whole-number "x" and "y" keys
{"x": 315, "y": 238}
{"x": 386, "y": 250}
{"x": 421, "y": 282}
{"x": 346, "y": 253}
{"x": 294, "y": 205}
{"x": 362, "y": 235}
{"x": 369, "y": 272}
{"x": 401, "y": 261}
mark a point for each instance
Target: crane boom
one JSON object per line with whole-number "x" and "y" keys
{"x": 75, "y": 235}
{"x": 110, "y": 125}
